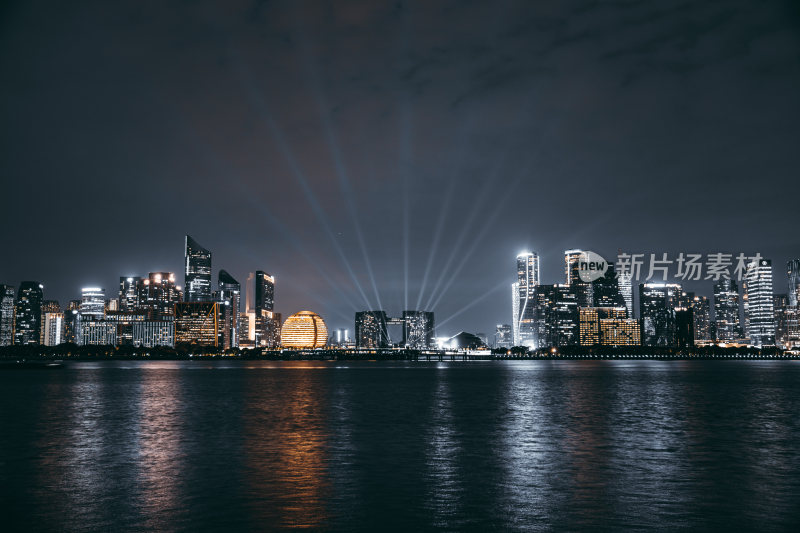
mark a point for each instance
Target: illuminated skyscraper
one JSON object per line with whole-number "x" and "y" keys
{"x": 230, "y": 299}
{"x": 48, "y": 306}
{"x": 71, "y": 315}
{"x": 515, "y": 336}
{"x": 418, "y": 330}
{"x": 657, "y": 303}
{"x": 525, "y": 312}
{"x": 701, "y": 314}
{"x": 265, "y": 291}
{"x": 129, "y": 289}
{"x": 266, "y": 328}
{"x": 6, "y": 315}
{"x": 557, "y": 320}
{"x": 371, "y": 330}
{"x": 28, "y": 321}
{"x": 197, "y": 282}
{"x": 758, "y": 311}
{"x": 625, "y": 282}
{"x": 93, "y": 303}
{"x": 583, "y": 290}
{"x": 726, "y": 310}
{"x": 53, "y": 328}
{"x": 793, "y": 273}
{"x": 783, "y": 318}
{"x": 158, "y": 295}
{"x": 606, "y": 291}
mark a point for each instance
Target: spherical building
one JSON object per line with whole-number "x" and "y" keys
{"x": 304, "y": 330}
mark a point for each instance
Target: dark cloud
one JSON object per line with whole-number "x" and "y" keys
{"x": 312, "y": 139}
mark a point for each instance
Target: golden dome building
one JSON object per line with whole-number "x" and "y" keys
{"x": 304, "y": 331}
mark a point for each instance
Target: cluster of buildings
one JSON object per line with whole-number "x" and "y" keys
{"x": 601, "y": 312}
{"x": 149, "y": 311}
{"x": 372, "y": 330}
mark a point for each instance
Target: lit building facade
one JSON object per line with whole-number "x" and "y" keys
{"x": 93, "y": 303}
{"x": 620, "y": 332}
{"x": 230, "y": 293}
{"x": 92, "y": 332}
{"x": 758, "y": 311}
{"x": 197, "y": 280}
{"x": 151, "y": 333}
{"x": 28, "y": 314}
{"x": 129, "y": 289}
{"x": 556, "y": 312}
{"x": 783, "y": 317}
{"x": 524, "y": 302}
{"x": 6, "y": 315}
{"x": 684, "y": 327}
{"x": 793, "y": 275}
{"x": 606, "y": 291}
{"x": 371, "y": 330}
{"x": 418, "y": 330}
{"x": 590, "y": 319}
{"x": 726, "y": 310}
{"x": 71, "y": 315}
{"x": 625, "y": 282}
{"x": 304, "y": 330}
{"x": 53, "y": 328}
{"x": 197, "y": 324}
{"x": 583, "y": 290}
{"x": 657, "y": 303}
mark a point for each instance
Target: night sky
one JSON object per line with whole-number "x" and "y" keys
{"x": 393, "y": 152}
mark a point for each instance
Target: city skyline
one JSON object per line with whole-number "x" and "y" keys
{"x": 541, "y": 314}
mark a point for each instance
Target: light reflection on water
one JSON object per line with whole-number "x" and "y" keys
{"x": 600, "y": 445}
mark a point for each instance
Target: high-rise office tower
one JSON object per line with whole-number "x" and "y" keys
{"x": 606, "y": 291}
{"x": 28, "y": 311}
{"x": 557, "y": 320}
{"x": 265, "y": 327}
{"x": 625, "y": 282}
{"x": 583, "y": 290}
{"x": 525, "y": 314}
{"x": 783, "y": 318}
{"x": 265, "y": 292}
{"x": 503, "y": 337}
{"x": 48, "y": 306}
{"x": 702, "y": 318}
{"x": 371, "y": 330}
{"x": 418, "y": 330}
{"x": 197, "y": 281}
{"x": 6, "y": 315}
{"x": 657, "y": 303}
{"x": 53, "y": 327}
{"x": 158, "y": 295}
{"x": 230, "y": 292}
{"x": 93, "y": 303}
{"x": 71, "y": 315}
{"x": 684, "y": 327}
{"x": 793, "y": 273}
{"x": 129, "y": 290}
{"x": 726, "y": 310}
{"x": 758, "y": 311}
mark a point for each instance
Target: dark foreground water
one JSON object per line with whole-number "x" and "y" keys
{"x": 583, "y": 445}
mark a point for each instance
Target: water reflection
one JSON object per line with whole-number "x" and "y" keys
{"x": 285, "y": 449}
{"x": 442, "y": 455}
{"x": 160, "y": 457}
